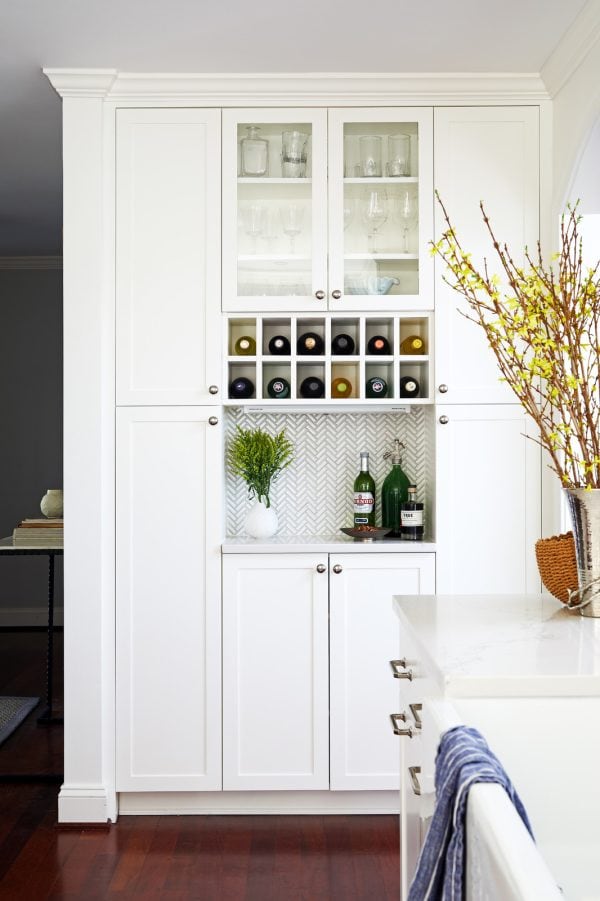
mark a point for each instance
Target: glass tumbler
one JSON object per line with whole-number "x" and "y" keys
{"x": 370, "y": 156}
{"x": 398, "y": 155}
{"x": 293, "y": 154}
{"x": 254, "y": 154}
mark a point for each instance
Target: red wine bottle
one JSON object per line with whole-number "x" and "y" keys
{"x": 409, "y": 386}
{"x": 241, "y": 388}
{"x": 378, "y": 345}
{"x": 312, "y": 387}
{"x": 342, "y": 344}
{"x": 310, "y": 344}
{"x": 376, "y": 387}
{"x": 279, "y": 345}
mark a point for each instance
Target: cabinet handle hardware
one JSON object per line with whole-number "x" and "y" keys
{"x": 320, "y": 295}
{"x": 443, "y": 389}
{"x": 397, "y": 718}
{"x": 336, "y": 294}
{"x": 321, "y": 567}
{"x": 400, "y": 670}
{"x": 414, "y": 772}
{"x": 444, "y": 420}
{"x": 212, "y": 420}
{"x": 337, "y": 568}
{"x": 416, "y": 709}
{"x": 213, "y": 389}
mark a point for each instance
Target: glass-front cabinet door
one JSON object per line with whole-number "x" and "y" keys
{"x": 274, "y": 209}
{"x": 380, "y": 209}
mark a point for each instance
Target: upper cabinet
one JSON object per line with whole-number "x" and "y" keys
{"x": 168, "y": 209}
{"x": 327, "y": 209}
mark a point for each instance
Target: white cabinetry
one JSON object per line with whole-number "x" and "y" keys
{"x": 169, "y": 465}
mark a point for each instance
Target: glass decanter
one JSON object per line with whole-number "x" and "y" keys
{"x": 254, "y": 154}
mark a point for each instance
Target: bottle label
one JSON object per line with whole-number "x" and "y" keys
{"x": 363, "y": 502}
{"x": 412, "y": 517}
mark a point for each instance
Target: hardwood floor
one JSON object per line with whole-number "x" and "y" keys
{"x": 233, "y": 858}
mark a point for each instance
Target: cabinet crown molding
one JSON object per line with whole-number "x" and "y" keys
{"x": 301, "y": 89}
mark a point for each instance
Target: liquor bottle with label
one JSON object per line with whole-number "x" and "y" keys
{"x": 278, "y": 388}
{"x": 279, "y": 346}
{"x": 341, "y": 388}
{"x": 409, "y": 386}
{"x": 364, "y": 494}
{"x": 412, "y": 517}
{"x": 241, "y": 388}
{"x": 310, "y": 344}
{"x": 412, "y": 344}
{"x": 394, "y": 491}
{"x": 378, "y": 344}
{"x": 376, "y": 387}
{"x": 245, "y": 346}
{"x": 312, "y": 387}
{"x": 342, "y": 344}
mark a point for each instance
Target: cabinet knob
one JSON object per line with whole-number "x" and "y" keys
{"x": 337, "y": 568}
{"x": 443, "y": 420}
{"x": 443, "y": 389}
{"x": 321, "y": 567}
{"x": 336, "y": 294}
{"x": 212, "y": 420}
{"x": 213, "y": 389}
{"x": 320, "y": 295}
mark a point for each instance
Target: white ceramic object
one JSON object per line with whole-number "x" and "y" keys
{"x": 261, "y": 521}
{"x": 52, "y": 503}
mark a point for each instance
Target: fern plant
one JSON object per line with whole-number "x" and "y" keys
{"x": 258, "y": 458}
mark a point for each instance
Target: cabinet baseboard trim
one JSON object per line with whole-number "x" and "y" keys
{"x": 86, "y": 804}
{"x": 259, "y": 803}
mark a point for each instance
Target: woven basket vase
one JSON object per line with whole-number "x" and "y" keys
{"x": 557, "y": 564}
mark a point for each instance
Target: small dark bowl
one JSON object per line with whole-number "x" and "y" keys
{"x": 359, "y": 535}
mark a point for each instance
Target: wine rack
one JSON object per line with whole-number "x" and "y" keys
{"x": 396, "y": 369}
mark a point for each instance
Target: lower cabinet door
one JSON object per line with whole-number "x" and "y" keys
{"x": 168, "y": 588}
{"x": 364, "y": 637}
{"x": 275, "y": 672}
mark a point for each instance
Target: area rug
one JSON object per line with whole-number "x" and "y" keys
{"x": 12, "y": 713}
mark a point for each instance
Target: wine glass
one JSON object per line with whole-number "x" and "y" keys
{"x": 254, "y": 219}
{"x": 292, "y": 220}
{"x": 406, "y": 214}
{"x": 349, "y": 210}
{"x": 374, "y": 214}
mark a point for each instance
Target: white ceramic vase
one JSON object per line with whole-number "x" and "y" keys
{"x": 52, "y": 503}
{"x": 261, "y": 521}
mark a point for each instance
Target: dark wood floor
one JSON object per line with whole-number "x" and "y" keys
{"x": 233, "y": 858}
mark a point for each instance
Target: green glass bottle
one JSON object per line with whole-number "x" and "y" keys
{"x": 394, "y": 491}
{"x": 364, "y": 494}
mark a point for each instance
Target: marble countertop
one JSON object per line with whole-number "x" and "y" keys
{"x": 323, "y": 544}
{"x": 503, "y": 645}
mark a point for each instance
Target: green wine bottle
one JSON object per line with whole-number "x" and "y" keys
{"x": 364, "y": 494}
{"x": 394, "y": 491}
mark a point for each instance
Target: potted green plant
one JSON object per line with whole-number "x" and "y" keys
{"x": 258, "y": 458}
{"x": 542, "y": 321}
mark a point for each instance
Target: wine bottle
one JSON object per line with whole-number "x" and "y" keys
{"x": 364, "y": 494}
{"x": 278, "y": 388}
{"x": 378, "y": 345}
{"x": 412, "y": 517}
{"x": 245, "y": 346}
{"x": 312, "y": 387}
{"x": 376, "y": 387}
{"x": 413, "y": 344}
{"x": 342, "y": 344}
{"x": 409, "y": 386}
{"x": 241, "y": 388}
{"x": 341, "y": 387}
{"x": 279, "y": 346}
{"x": 310, "y": 343}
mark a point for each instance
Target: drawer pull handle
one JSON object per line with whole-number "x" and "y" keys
{"x": 416, "y": 709}
{"x": 400, "y": 670}
{"x": 321, "y": 567}
{"x": 397, "y": 718}
{"x": 414, "y": 772}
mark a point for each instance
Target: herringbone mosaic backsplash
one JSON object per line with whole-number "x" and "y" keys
{"x": 313, "y": 496}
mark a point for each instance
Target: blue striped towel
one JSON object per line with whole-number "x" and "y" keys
{"x": 463, "y": 758}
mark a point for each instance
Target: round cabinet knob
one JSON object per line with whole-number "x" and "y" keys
{"x": 321, "y": 568}
{"x": 320, "y": 295}
{"x": 337, "y": 568}
{"x": 444, "y": 420}
{"x": 443, "y": 389}
{"x": 212, "y": 420}
{"x": 336, "y": 295}
{"x": 213, "y": 389}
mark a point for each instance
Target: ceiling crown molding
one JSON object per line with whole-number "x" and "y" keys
{"x": 572, "y": 48}
{"x": 301, "y": 89}
{"x": 39, "y": 262}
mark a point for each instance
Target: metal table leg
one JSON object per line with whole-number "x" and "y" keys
{"x": 46, "y": 717}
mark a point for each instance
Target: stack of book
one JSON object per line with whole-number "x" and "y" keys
{"x": 41, "y": 531}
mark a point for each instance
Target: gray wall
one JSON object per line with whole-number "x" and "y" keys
{"x": 30, "y": 427}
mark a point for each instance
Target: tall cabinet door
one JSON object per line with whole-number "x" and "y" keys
{"x": 275, "y": 672}
{"x": 168, "y": 203}
{"x": 488, "y": 154}
{"x": 363, "y": 641}
{"x": 168, "y": 572}
{"x": 488, "y": 483}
